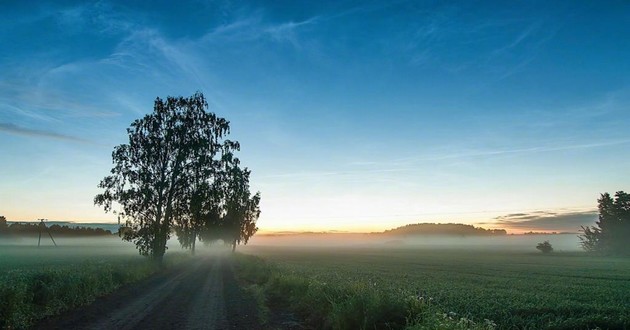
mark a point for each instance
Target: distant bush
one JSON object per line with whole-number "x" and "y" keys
{"x": 544, "y": 247}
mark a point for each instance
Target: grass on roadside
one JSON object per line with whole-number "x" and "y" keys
{"x": 353, "y": 304}
{"x": 30, "y": 294}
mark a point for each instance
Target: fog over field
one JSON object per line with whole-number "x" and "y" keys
{"x": 16, "y": 251}
{"x": 477, "y": 278}
{"x": 112, "y": 241}
{"x": 95, "y": 246}
{"x": 560, "y": 242}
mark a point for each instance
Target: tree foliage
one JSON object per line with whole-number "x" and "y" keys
{"x": 544, "y": 247}
{"x": 241, "y": 209}
{"x": 3, "y": 223}
{"x": 233, "y": 219}
{"x": 612, "y": 230}
{"x": 168, "y": 176}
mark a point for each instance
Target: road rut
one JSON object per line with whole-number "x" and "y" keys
{"x": 203, "y": 294}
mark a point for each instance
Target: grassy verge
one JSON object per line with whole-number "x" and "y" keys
{"x": 30, "y": 294}
{"x": 351, "y": 304}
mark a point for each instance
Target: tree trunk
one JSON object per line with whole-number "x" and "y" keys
{"x": 158, "y": 260}
{"x": 194, "y": 242}
{"x": 159, "y": 246}
{"x": 233, "y": 246}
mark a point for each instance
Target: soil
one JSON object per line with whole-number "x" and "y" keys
{"x": 200, "y": 294}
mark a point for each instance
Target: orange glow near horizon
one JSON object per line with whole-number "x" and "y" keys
{"x": 328, "y": 225}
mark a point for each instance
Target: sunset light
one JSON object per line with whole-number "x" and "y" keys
{"x": 322, "y": 164}
{"x": 448, "y": 113}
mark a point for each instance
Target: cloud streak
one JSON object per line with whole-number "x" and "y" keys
{"x": 287, "y": 31}
{"x": 467, "y": 153}
{"x": 547, "y": 220}
{"x": 17, "y": 130}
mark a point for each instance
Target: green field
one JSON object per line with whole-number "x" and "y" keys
{"x": 23, "y": 253}
{"x": 347, "y": 287}
{"x": 515, "y": 290}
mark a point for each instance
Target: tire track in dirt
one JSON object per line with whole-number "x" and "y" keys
{"x": 189, "y": 297}
{"x": 133, "y": 313}
{"x": 209, "y": 298}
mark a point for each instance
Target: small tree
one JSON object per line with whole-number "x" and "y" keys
{"x": 545, "y": 247}
{"x": 589, "y": 239}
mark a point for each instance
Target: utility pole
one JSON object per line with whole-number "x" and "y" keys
{"x": 39, "y": 239}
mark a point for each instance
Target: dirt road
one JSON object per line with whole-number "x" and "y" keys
{"x": 203, "y": 294}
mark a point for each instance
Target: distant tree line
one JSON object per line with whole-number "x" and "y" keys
{"x": 455, "y": 229}
{"x": 179, "y": 173}
{"x": 611, "y": 233}
{"x": 25, "y": 228}
{"x": 546, "y": 233}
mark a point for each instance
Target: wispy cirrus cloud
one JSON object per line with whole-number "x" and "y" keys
{"x": 100, "y": 16}
{"x": 315, "y": 174}
{"x": 520, "y": 38}
{"x": 547, "y": 220}
{"x": 500, "y": 46}
{"x": 18, "y": 130}
{"x": 45, "y": 101}
{"x": 288, "y": 31}
{"x": 465, "y": 153}
{"x": 528, "y": 55}
{"x": 255, "y": 27}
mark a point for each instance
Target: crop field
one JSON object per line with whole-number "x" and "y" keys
{"x": 23, "y": 253}
{"x": 37, "y": 282}
{"x": 524, "y": 290}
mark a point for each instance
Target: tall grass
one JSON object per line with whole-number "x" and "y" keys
{"x": 351, "y": 304}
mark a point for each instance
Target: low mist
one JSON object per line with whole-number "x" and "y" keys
{"x": 524, "y": 243}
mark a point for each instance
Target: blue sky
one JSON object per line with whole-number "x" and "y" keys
{"x": 351, "y": 115}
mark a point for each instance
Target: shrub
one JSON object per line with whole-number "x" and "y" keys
{"x": 544, "y": 247}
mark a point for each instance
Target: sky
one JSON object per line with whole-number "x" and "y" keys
{"x": 352, "y": 115}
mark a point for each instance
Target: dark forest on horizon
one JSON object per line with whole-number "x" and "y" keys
{"x": 31, "y": 228}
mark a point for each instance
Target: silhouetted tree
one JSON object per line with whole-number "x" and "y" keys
{"x": 157, "y": 176}
{"x": 612, "y": 230}
{"x": 203, "y": 194}
{"x": 3, "y": 224}
{"x": 589, "y": 239}
{"x": 544, "y": 247}
{"x": 241, "y": 208}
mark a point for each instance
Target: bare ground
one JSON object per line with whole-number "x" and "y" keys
{"x": 202, "y": 294}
